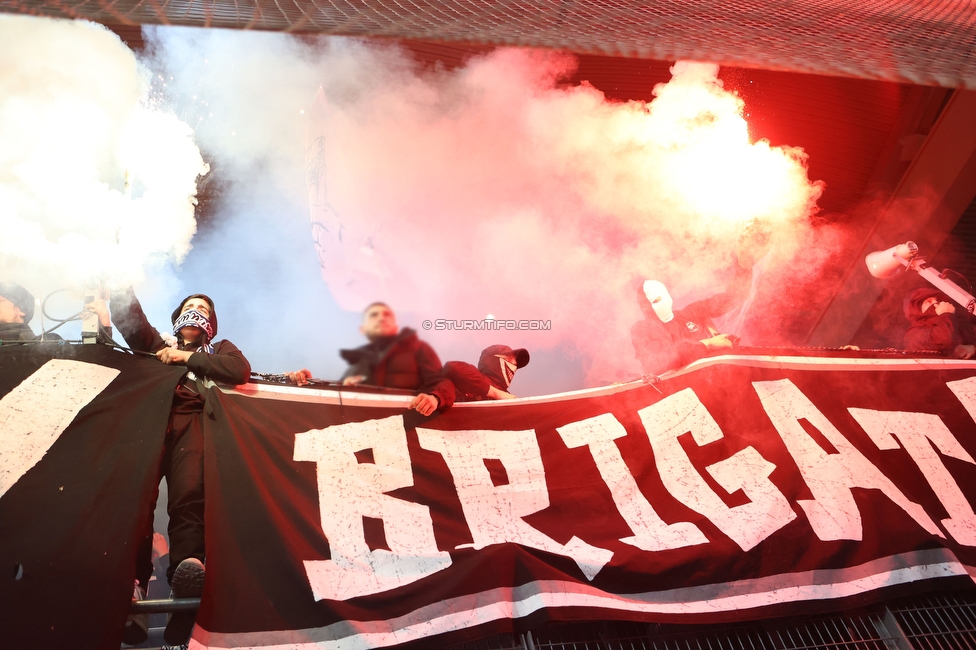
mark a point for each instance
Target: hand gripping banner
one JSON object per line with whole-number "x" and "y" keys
{"x": 742, "y": 487}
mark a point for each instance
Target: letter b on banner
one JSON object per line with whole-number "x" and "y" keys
{"x": 348, "y": 491}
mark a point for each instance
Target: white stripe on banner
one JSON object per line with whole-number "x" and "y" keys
{"x": 512, "y": 603}
{"x": 35, "y": 414}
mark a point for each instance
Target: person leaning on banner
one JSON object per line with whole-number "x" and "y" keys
{"x": 935, "y": 325}
{"x": 491, "y": 379}
{"x": 668, "y": 338}
{"x": 17, "y": 310}
{"x": 194, "y": 327}
{"x": 393, "y": 358}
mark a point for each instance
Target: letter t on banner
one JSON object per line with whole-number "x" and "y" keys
{"x": 921, "y": 434}
{"x": 350, "y": 490}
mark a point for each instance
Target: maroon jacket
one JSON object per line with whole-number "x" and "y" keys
{"x": 401, "y": 361}
{"x": 934, "y": 332}
{"x": 472, "y": 383}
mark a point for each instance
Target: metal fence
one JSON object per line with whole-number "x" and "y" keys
{"x": 944, "y": 621}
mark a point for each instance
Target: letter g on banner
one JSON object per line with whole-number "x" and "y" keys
{"x": 348, "y": 490}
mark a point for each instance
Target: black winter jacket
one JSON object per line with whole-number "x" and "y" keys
{"x": 666, "y": 346}
{"x": 227, "y": 365}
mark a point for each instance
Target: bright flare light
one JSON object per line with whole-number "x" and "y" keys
{"x": 713, "y": 168}
{"x": 73, "y": 128}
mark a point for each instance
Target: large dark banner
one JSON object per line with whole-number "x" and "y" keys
{"x": 81, "y": 435}
{"x": 743, "y": 487}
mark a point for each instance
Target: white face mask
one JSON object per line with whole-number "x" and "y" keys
{"x": 661, "y": 302}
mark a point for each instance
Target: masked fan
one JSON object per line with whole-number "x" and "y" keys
{"x": 195, "y": 330}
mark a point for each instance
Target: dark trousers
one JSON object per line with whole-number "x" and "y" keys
{"x": 182, "y": 465}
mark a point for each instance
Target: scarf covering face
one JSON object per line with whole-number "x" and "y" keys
{"x": 194, "y": 318}
{"x": 508, "y": 369}
{"x": 494, "y": 364}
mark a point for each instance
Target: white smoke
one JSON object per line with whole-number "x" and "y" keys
{"x": 74, "y": 127}
{"x": 491, "y": 188}
{"x": 486, "y": 189}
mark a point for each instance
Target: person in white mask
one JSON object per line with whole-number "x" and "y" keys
{"x": 667, "y": 338}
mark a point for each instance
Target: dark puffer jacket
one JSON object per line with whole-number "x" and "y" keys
{"x": 401, "y": 361}
{"x": 19, "y": 332}
{"x": 934, "y": 332}
{"x": 24, "y": 300}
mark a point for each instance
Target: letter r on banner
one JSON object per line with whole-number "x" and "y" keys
{"x": 350, "y": 490}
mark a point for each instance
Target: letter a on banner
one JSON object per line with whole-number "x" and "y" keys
{"x": 35, "y": 414}
{"x": 350, "y": 490}
{"x": 965, "y": 392}
{"x": 832, "y": 512}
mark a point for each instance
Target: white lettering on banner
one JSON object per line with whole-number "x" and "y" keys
{"x": 349, "y": 490}
{"x": 918, "y": 432}
{"x": 747, "y": 524}
{"x": 35, "y": 413}
{"x": 494, "y": 513}
{"x": 965, "y": 392}
{"x": 651, "y": 533}
{"x": 832, "y": 512}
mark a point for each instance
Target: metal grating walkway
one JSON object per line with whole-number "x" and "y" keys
{"x": 933, "y": 622}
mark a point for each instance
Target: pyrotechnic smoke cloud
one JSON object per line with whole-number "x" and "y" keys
{"x": 73, "y": 122}
{"x": 490, "y": 188}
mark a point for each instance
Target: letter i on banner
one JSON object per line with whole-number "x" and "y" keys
{"x": 748, "y": 524}
{"x": 348, "y": 491}
{"x": 495, "y": 512}
{"x": 651, "y": 533}
{"x": 35, "y": 413}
